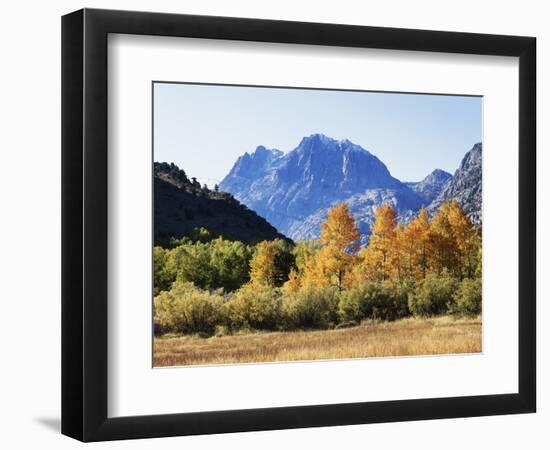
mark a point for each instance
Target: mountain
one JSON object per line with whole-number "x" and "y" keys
{"x": 430, "y": 187}
{"x": 294, "y": 191}
{"x": 465, "y": 186}
{"x": 182, "y": 206}
{"x": 251, "y": 166}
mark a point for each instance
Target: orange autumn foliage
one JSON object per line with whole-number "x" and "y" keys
{"x": 379, "y": 258}
{"x": 448, "y": 243}
{"x": 336, "y": 257}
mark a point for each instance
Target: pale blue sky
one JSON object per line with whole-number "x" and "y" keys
{"x": 205, "y": 128}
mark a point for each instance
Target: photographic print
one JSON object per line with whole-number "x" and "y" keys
{"x": 299, "y": 224}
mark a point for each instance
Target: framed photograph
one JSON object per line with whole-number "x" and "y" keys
{"x": 273, "y": 224}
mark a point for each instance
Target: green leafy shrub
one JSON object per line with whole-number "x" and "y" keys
{"x": 353, "y": 305}
{"x": 272, "y": 262}
{"x": 188, "y": 309}
{"x": 164, "y": 270}
{"x": 311, "y": 307}
{"x": 373, "y": 300}
{"x": 433, "y": 295}
{"x": 467, "y": 298}
{"x": 255, "y": 306}
{"x": 399, "y": 293}
{"x": 215, "y": 264}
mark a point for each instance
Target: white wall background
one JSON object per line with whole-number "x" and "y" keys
{"x": 30, "y": 226}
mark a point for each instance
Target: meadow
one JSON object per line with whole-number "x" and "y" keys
{"x": 409, "y": 336}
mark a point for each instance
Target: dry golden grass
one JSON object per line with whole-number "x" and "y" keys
{"x": 442, "y": 335}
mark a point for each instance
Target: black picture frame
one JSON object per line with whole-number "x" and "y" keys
{"x": 84, "y": 224}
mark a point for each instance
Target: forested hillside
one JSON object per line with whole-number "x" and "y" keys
{"x": 183, "y": 207}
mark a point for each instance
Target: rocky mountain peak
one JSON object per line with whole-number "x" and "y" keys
{"x": 438, "y": 175}
{"x": 430, "y": 187}
{"x": 294, "y": 191}
{"x": 472, "y": 159}
{"x": 465, "y": 186}
{"x": 320, "y": 171}
{"x": 251, "y": 165}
